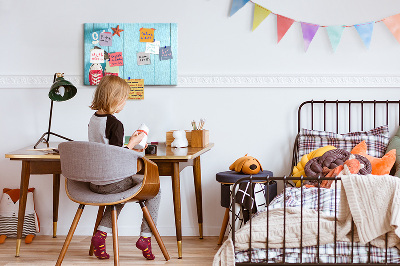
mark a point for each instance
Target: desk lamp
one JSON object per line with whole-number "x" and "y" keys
{"x": 61, "y": 90}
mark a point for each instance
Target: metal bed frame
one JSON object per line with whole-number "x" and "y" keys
{"x": 338, "y": 106}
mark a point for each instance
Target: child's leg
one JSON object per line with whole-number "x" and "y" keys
{"x": 99, "y": 239}
{"x": 144, "y": 242}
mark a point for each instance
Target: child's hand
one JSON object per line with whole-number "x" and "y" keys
{"x": 135, "y": 139}
{"x": 142, "y": 150}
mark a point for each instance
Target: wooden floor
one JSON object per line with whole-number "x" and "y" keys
{"x": 44, "y": 250}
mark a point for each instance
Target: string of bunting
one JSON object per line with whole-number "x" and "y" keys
{"x": 309, "y": 30}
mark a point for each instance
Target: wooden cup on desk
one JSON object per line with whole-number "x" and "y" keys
{"x": 200, "y": 138}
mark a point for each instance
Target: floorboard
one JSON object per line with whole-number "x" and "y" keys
{"x": 44, "y": 251}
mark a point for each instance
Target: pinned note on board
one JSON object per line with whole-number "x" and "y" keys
{"x": 137, "y": 89}
{"x": 146, "y": 35}
{"x": 96, "y": 56}
{"x": 111, "y": 70}
{"x": 116, "y": 59}
{"x": 153, "y": 47}
{"x": 105, "y": 39}
{"x": 165, "y": 53}
{"x": 143, "y": 59}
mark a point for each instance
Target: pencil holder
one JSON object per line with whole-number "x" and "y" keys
{"x": 199, "y": 138}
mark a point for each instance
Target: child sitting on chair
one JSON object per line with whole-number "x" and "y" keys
{"x": 110, "y": 98}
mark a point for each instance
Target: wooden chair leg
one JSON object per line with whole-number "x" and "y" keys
{"x": 154, "y": 230}
{"x": 98, "y": 220}
{"x": 223, "y": 227}
{"x": 70, "y": 234}
{"x": 115, "y": 234}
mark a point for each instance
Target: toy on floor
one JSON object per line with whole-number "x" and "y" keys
{"x": 246, "y": 165}
{"x": 9, "y": 205}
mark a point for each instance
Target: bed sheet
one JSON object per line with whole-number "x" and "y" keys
{"x": 326, "y": 252}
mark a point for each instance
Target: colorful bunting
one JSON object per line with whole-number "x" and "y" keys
{"x": 335, "y": 34}
{"x": 393, "y": 23}
{"x": 260, "y": 13}
{"x": 236, "y": 5}
{"x": 365, "y": 32}
{"x": 309, "y": 31}
{"x": 283, "y": 25}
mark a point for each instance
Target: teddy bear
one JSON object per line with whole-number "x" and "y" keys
{"x": 9, "y": 205}
{"x": 180, "y": 140}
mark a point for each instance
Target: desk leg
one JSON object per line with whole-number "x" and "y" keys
{"x": 56, "y": 199}
{"x": 176, "y": 190}
{"x": 197, "y": 187}
{"x": 25, "y": 175}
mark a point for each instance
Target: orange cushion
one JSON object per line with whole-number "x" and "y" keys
{"x": 380, "y": 166}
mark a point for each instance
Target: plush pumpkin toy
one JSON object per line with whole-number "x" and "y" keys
{"x": 9, "y": 205}
{"x": 246, "y": 165}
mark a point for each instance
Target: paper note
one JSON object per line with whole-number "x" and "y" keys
{"x": 165, "y": 53}
{"x": 116, "y": 59}
{"x": 153, "y": 47}
{"x": 147, "y": 35}
{"x": 97, "y": 56}
{"x": 105, "y": 39}
{"x": 143, "y": 59}
{"x": 137, "y": 89}
{"x": 111, "y": 70}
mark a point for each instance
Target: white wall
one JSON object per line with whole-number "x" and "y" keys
{"x": 40, "y": 38}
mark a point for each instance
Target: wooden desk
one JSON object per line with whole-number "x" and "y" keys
{"x": 170, "y": 162}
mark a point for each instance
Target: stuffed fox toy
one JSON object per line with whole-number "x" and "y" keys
{"x": 246, "y": 165}
{"x": 9, "y": 205}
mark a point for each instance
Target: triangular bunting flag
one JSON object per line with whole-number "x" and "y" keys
{"x": 309, "y": 31}
{"x": 236, "y": 5}
{"x": 260, "y": 13}
{"x": 365, "y": 32}
{"x": 393, "y": 23}
{"x": 335, "y": 34}
{"x": 283, "y": 25}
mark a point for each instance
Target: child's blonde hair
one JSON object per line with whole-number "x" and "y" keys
{"x": 109, "y": 93}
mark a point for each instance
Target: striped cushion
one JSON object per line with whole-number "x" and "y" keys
{"x": 377, "y": 139}
{"x": 8, "y": 225}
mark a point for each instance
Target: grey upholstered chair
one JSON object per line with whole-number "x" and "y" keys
{"x": 83, "y": 162}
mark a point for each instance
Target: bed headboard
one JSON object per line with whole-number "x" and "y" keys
{"x": 347, "y": 116}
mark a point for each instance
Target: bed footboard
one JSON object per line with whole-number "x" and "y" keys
{"x": 353, "y": 255}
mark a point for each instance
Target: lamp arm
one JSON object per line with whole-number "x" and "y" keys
{"x": 50, "y": 116}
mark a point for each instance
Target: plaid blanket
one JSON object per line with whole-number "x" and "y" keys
{"x": 326, "y": 252}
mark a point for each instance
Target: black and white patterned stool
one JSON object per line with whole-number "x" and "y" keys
{"x": 227, "y": 179}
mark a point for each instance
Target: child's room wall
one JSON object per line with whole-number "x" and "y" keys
{"x": 243, "y": 83}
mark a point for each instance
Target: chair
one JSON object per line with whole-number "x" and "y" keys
{"x": 82, "y": 162}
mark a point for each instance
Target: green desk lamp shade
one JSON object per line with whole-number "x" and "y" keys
{"x": 61, "y": 90}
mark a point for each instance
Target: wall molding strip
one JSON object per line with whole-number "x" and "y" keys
{"x": 242, "y": 81}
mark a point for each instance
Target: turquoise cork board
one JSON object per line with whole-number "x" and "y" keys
{"x": 147, "y": 51}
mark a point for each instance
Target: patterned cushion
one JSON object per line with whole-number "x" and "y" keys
{"x": 377, "y": 139}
